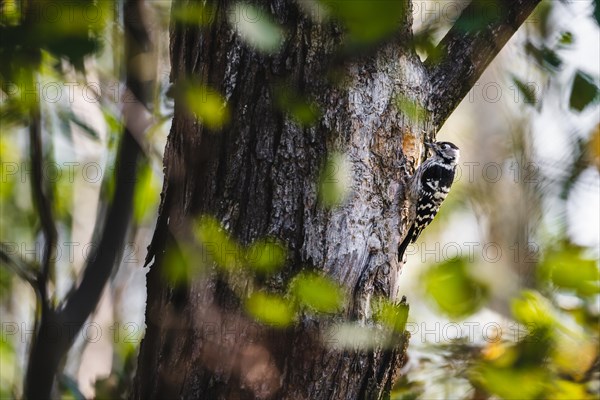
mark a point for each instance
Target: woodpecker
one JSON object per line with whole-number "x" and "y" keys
{"x": 429, "y": 187}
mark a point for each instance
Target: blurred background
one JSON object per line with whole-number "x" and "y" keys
{"x": 515, "y": 246}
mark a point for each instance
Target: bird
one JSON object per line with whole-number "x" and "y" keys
{"x": 428, "y": 188}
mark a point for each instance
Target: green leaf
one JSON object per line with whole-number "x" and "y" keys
{"x": 567, "y": 390}
{"x": 425, "y": 44}
{"x": 367, "y": 21}
{"x": 194, "y": 14}
{"x": 10, "y": 159}
{"x": 266, "y": 256}
{"x": 72, "y": 32}
{"x": 270, "y": 309}
{"x": 566, "y": 39}
{"x": 147, "y": 192}
{"x": 334, "y": 180}
{"x": 305, "y": 112}
{"x": 8, "y": 359}
{"x": 568, "y": 268}
{"x": 411, "y": 109}
{"x": 480, "y": 15}
{"x": 574, "y": 353}
{"x": 512, "y": 383}
{"x": 317, "y": 292}
{"x": 208, "y": 105}
{"x": 180, "y": 265}
{"x": 453, "y": 290}
{"x": 544, "y": 56}
{"x": 525, "y": 90}
{"x": 63, "y": 195}
{"x": 256, "y": 27}
{"x": 583, "y": 92}
{"x": 392, "y": 315}
{"x": 533, "y": 309}
{"x": 217, "y": 243}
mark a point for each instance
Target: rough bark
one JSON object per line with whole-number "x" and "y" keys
{"x": 258, "y": 175}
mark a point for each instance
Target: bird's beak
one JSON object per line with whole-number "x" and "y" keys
{"x": 429, "y": 145}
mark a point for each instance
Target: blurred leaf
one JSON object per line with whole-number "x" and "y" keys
{"x": 8, "y": 361}
{"x": 540, "y": 18}
{"x": 352, "y": 336}
{"x": 500, "y": 353}
{"x": 568, "y": 268}
{"x": 390, "y": 314}
{"x": 270, "y": 309}
{"x": 596, "y": 13}
{"x": 63, "y": 193}
{"x": 480, "y": 15}
{"x": 511, "y": 383}
{"x": 11, "y": 12}
{"x": 266, "y": 256}
{"x": 147, "y": 193}
{"x": 583, "y": 92}
{"x": 525, "y": 90}
{"x": 566, "y": 39}
{"x": 453, "y": 290}
{"x": 302, "y": 110}
{"x": 208, "y": 105}
{"x": 9, "y": 167}
{"x": 194, "y": 14}
{"x": 533, "y": 309}
{"x": 256, "y": 27}
{"x": 317, "y": 292}
{"x": 574, "y": 354}
{"x": 70, "y": 30}
{"x": 70, "y": 116}
{"x": 181, "y": 264}
{"x": 544, "y": 56}
{"x": 405, "y": 389}
{"x": 566, "y": 390}
{"x": 218, "y": 244}
{"x": 367, "y": 21}
{"x": 426, "y": 45}
{"x": 410, "y": 109}
{"x": 334, "y": 180}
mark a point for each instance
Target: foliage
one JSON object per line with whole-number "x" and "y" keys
{"x": 556, "y": 358}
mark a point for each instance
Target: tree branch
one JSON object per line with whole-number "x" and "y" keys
{"x": 41, "y": 201}
{"x": 21, "y": 268}
{"x": 477, "y": 36}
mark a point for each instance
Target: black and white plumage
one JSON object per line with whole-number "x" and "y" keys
{"x": 429, "y": 187}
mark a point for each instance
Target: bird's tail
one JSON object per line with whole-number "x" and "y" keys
{"x": 405, "y": 243}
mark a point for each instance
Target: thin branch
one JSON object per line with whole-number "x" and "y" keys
{"x": 20, "y": 267}
{"x": 83, "y": 300}
{"x": 41, "y": 201}
{"x": 468, "y": 48}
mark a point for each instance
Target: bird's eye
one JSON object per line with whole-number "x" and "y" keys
{"x": 444, "y": 146}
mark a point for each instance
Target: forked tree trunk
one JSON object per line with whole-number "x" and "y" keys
{"x": 258, "y": 175}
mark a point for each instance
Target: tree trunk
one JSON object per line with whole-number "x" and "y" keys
{"x": 258, "y": 176}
